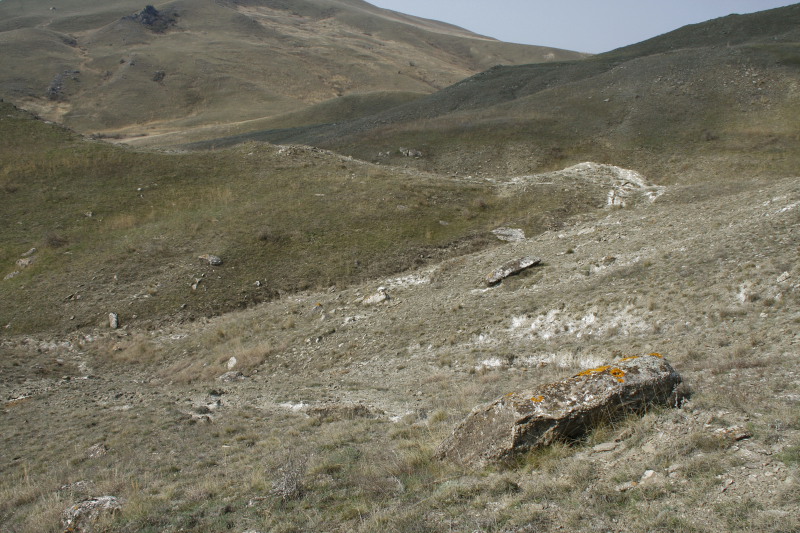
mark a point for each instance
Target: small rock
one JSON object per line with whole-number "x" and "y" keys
{"x": 196, "y": 283}
{"x": 232, "y": 362}
{"x": 509, "y": 234}
{"x": 783, "y": 277}
{"x": 380, "y": 296}
{"x": 82, "y": 517}
{"x": 605, "y": 447}
{"x": 648, "y": 475}
{"x": 410, "y": 152}
{"x": 12, "y": 275}
{"x": 33, "y": 251}
{"x": 510, "y": 268}
{"x": 213, "y": 260}
{"x": 97, "y": 450}
{"x": 113, "y": 320}
{"x": 25, "y": 262}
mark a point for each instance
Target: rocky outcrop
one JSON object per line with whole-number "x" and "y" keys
{"x": 510, "y": 268}
{"x": 153, "y": 19}
{"x": 82, "y": 517}
{"x": 567, "y": 409}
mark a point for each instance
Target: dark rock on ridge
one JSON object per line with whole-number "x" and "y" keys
{"x": 150, "y": 17}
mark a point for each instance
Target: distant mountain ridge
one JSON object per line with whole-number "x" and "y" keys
{"x": 214, "y": 62}
{"x": 723, "y": 90}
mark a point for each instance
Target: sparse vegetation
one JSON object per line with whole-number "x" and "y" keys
{"x": 268, "y": 394}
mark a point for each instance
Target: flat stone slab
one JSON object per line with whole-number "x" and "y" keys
{"x": 567, "y": 409}
{"x": 510, "y": 268}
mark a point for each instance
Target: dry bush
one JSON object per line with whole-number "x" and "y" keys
{"x": 289, "y": 481}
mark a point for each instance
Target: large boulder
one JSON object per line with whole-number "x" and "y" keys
{"x": 567, "y": 409}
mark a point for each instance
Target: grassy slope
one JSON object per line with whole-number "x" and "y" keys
{"x": 722, "y": 108}
{"x": 119, "y": 230}
{"x": 225, "y": 62}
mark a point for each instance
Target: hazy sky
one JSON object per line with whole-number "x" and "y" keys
{"x": 582, "y": 25}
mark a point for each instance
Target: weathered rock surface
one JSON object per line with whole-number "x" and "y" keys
{"x": 82, "y": 517}
{"x": 510, "y": 268}
{"x": 213, "y": 260}
{"x": 567, "y": 409}
{"x": 380, "y": 296}
{"x": 113, "y": 320}
{"x": 509, "y": 234}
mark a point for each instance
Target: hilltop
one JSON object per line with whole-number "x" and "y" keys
{"x": 121, "y": 69}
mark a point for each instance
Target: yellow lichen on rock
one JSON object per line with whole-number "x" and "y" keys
{"x": 537, "y": 399}
{"x": 592, "y": 371}
{"x": 618, "y": 373}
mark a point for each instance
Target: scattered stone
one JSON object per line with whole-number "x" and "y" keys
{"x": 509, "y": 234}
{"x": 77, "y": 486}
{"x": 511, "y": 268}
{"x": 735, "y": 433}
{"x": 158, "y": 76}
{"x": 113, "y": 320}
{"x": 97, "y": 450}
{"x": 213, "y": 260}
{"x": 29, "y": 252}
{"x": 380, "y": 296}
{"x": 196, "y": 283}
{"x": 783, "y": 277}
{"x": 25, "y": 262}
{"x": 648, "y": 475}
{"x": 605, "y": 447}
{"x": 82, "y": 517}
{"x": 567, "y": 409}
{"x": 232, "y": 362}
{"x": 410, "y": 152}
{"x": 227, "y": 377}
{"x": 12, "y": 275}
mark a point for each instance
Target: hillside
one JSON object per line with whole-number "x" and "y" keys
{"x": 337, "y": 407}
{"x": 112, "y": 68}
{"x": 232, "y": 335}
{"x": 709, "y": 99}
{"x": 118, "y": 229}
